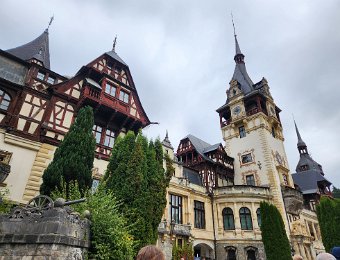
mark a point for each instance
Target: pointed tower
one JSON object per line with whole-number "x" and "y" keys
{"x": 35, "y": 51}
{"x": 252, "y": 132}
{"x": 309, "y": 175}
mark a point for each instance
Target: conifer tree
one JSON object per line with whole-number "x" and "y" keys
{"x": 328, "y": 212}
{"x": 73, "y": 159}
{"x": 274, "y": 237}
{"x": 136, "y": 177}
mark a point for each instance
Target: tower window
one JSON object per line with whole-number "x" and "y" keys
{"x": 250, "y": 180}
{"x": 97, "y": 131}
{"x": 273, "y": 132}
{"x": 246, "y": 158}
{"x": 242, "y": 131}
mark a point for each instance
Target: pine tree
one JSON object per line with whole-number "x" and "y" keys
{"x": 336, "y": 193}
{"x": 73, "y": 159}
{"x": 136, "y": 177}
{"x": 328, "y": 212}
{"x": 274, "y": 237}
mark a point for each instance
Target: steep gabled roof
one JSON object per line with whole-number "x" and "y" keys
{"x": 114, "y": 55}
{"x": 37, "y": 49}
{"x": 201, "y": 146}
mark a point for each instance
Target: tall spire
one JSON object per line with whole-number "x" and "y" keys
{"x": 37, "y": 49}
{"x": 49, "y": 24}
{"x": 114, "y": 44}
{"x": 166, "y": 142}
{"x": 301, "y": 143}
{"x": 240, "y": 72}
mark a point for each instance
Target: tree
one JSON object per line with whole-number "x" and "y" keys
{"x": 136, "y": 177}
{"x": 336, "y": 193}
{"x": 328, "y": 211}
{"x": 274, "y": 237}
{"x": 73, "y": 159}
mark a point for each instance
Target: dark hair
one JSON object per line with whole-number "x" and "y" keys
{"x": 150, "y": 252}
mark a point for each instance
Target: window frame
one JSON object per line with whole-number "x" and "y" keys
{"x": 49, "y": 81}
{"x": 176, "y": 208}
{"x": 124, "y": 96}
{"x": 97, "y": 133}
{"x": 245, "y": 219}
{"x": 242, "y": 131}
{"x": 5, "y": 98}
{"x": 250, "y": 180}
{"x": 228, "y": 219}
{"x": 199, "y": 214}
{"x": 41, "y": 75}
{"x": 246, "y": 158}
{"x": 108, "y": 89}
{"x": 110, "y": 137}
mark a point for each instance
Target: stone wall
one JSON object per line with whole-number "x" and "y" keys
{"x": 53, "y": 233}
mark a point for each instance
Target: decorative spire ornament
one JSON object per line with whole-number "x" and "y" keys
{"x": 114, "y": 44}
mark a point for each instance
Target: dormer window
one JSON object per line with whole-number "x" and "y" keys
{"x": 304, "y": 167}
{"x": 111, "y": 90}
{"x": 40, "y": 75}
{"x": 124, "y": 96}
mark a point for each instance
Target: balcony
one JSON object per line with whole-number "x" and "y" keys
{"x": 178, "y": 229}
{"x": 243, "y": 191}
{"x": 293, "y": 200}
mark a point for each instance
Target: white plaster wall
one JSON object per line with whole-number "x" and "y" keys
{"x": 101, "y": 165}
{"x": 21, "y": 164}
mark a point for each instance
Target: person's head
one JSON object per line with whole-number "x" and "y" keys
{"x": 336, "y": 252}
{"x": 150, "y": 252}
{"x": 297, "y": 257}
{"x": 325, "y": 256}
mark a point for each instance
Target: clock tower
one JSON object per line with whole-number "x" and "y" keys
{"x": 252, "y": 132}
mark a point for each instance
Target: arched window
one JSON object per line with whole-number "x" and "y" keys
{"x": 5, "y": 99}
{"x": 245, "y": 218}
{"x": 258, "y": 214}
{"x": 231, "y": 253}
{"x": 228, "y": 219}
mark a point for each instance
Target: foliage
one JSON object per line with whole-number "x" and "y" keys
{"x": 274, "y": 237}
{"x": 328, "y": 212}
{"x": 110, "y": 232}
{"x": 336, "y": 193}
{"x": 186, "y": 251}
{"x": 73, "y": 159}
{"x": 136, "y": 177}
{"x": 5, "y": 204}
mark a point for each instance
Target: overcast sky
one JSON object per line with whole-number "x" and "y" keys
{"x": 180, "y": 54}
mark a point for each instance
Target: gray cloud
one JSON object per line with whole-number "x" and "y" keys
{"x": 181, "y": 53}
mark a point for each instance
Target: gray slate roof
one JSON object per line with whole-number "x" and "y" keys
{"x": 192, "y": 176}
{"x": 242, "y": 77}
{"x": 201, "y": 146}
{"x": 114, "y": 55}
{"x": 305, "y": 159}
{"x": 308, "y": 181}
{"x": 38, "y": 49}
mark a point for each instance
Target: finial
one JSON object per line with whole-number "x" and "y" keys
{"x": 114, "y": 44}
{"x": 166, "y": 135}
{"x": 232, "y": 20}
{"x": 49, "y": 24}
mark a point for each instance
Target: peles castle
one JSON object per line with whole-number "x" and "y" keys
{"x": 216, "y": 190}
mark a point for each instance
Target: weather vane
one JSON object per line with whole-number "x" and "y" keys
{"x": 51, "y": 20}
{"x": 232, "y": 20}
{"x": 114, "y": 44}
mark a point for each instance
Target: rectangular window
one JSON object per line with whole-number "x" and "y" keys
{"x": 124, "y": 96}
{"x": 250, "y": 180}
{"x": 50, "y": 80}
{"x": 242, "y": 131}
{"x": 246, "y": 158}
{"x": 41, "y": 75}
{"x": 199, "y": 214}
{"x": 97, "y": 131}
{"x": 109, "y": 138}
{"x": 273, "y": 132}
{"x": 285, "y": 179}
{"x": 111, "y": 90}
{"x": 176, "y": 208}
